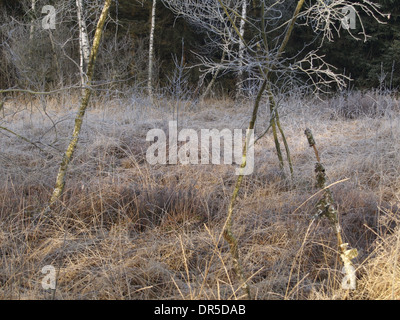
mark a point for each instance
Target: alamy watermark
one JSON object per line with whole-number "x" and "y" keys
{"x": 190, "y": 143}
{"x": 49, "y": 280}
{"x": 349, "y": 281}
{"x": 49, "y": 21}
{"x": 349, "y": 18}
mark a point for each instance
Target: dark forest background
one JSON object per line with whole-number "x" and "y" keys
{"x": 123, "y": 59}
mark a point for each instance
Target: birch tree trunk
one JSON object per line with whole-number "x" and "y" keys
{"x": 84, "y": 48}
{"x": 60, "y": 182}
{"x": 151, "y": 50}
{"x": 32, "y": 30}
{"x": 239, "y": 83}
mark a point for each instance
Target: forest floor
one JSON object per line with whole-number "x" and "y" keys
{"x": 126, "y": 229}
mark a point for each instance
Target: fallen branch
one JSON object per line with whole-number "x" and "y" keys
{"x": 325, "y": 207}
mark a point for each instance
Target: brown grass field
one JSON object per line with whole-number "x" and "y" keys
{"x": 128, "y": 230}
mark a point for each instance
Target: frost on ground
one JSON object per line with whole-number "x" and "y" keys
{"x": 128, "y": 230}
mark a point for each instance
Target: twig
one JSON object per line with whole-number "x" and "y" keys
{"x": 22, "y": 138}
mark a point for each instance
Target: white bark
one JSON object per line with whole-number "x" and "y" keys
{"x": 151, "y": 50}
{"x": 239, "y": 83}
{"x": 32, "y": 30}
{"x": 84, "y": 47}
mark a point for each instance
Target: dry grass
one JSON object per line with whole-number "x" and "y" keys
{"x": 128, "y": 230}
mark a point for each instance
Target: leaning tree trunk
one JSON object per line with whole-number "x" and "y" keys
{"x": 228, "y": 234}
{"x": 151, "y": 50}
{"x": 60, "y": 182}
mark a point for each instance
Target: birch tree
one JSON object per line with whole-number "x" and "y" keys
{"x": 32, "y": 29}
{"x": 84, "y": 47}
{"x": 239, "y": 81}
{"x": 68, "y": 155}
{"x": 151, "y": 50}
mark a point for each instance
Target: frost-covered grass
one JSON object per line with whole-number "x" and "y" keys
{"x": 128, "y": 230}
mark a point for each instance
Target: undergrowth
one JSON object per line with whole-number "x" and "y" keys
{"x": 128, "y": 230}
